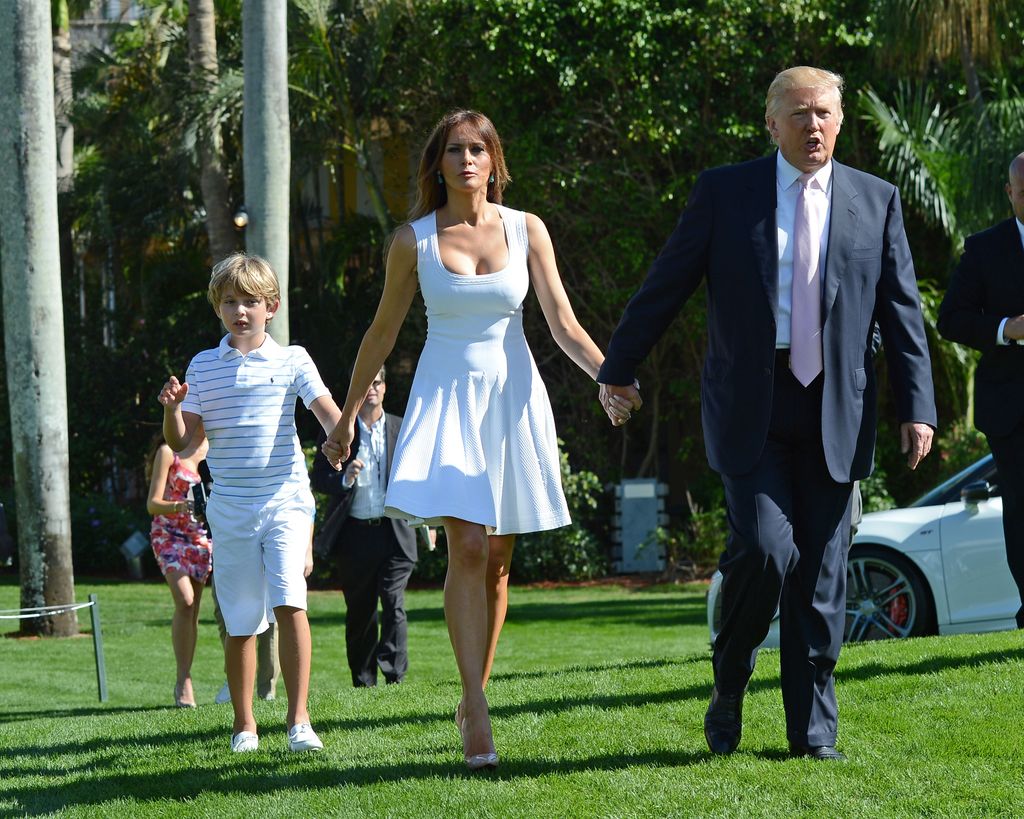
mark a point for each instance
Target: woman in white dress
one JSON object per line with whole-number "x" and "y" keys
{"x": 477, "y": 452}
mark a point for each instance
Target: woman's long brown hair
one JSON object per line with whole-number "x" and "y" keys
{"x": 431, "y": 194}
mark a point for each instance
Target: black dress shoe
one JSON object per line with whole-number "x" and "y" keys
{"x": 723, "y": 722}
{"x": 817, "y": 752}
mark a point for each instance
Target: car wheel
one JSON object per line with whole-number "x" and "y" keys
{"x": 885, "y": 597}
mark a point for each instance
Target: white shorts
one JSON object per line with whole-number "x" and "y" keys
{"x": 259, "y": 558}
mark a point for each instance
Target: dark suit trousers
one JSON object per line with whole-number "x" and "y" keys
{"x": 789, "y": 534}
{"x": 1008, "y": 452}
{"x": 374, "y": 568}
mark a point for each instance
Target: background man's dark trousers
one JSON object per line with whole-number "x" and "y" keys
{"x": 1008, "y": 452}
{"x": 373, "y": 566}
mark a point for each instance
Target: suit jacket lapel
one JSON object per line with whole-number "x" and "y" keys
{"x": 760, "y": 206}
{"x": 391, "y": 426}
{"x": 842, "y": 234}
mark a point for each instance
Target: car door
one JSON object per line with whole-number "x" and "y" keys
{"x": 978, "y": 582}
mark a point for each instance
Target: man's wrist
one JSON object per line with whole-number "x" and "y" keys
{"x": 1001, "y": 333}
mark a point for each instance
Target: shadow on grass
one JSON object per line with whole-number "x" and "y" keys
{"x": 643, "y": 610}
{"x": 263, "y": 773}
{"x": 929, "y": 665}
{"x": 577, "y": 669}
{"x": 95, "y": 711}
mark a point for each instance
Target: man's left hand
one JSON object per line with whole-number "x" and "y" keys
{"x": 915, "y": 441}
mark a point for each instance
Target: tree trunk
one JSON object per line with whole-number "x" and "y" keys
{"x": 205, "y": 70}
{"x": 62, "y": 97}
{"x": 33, "y": 315}
{"x": 969, "y": 67}
{"x": 62, "y": 101}
{"x": 266, "y": 157}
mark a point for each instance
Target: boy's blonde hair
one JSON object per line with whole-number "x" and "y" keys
{"x": 247, "y": 275}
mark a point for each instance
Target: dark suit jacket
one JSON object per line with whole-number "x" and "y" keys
{"x": 727, "y": 237}
{"x": 329, "y": 481}
{"x": 987, "y": 286}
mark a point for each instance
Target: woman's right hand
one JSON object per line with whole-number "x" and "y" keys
{"x": 339, "y": 443}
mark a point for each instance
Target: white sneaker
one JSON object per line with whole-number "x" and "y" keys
{"x": 244, "y": 741}
{"x": 302, "y": 737}
{"x": 224, "y": 695}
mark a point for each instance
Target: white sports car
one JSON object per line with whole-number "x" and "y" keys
{"x": 937, "y": 566}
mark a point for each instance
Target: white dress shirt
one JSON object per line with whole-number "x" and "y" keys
{"x": 1005, "y": 342}
{"x": 785, "y": 215}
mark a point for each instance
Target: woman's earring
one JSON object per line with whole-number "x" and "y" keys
{"x": 440, "y": 179}
{"x": 491, "y": 180}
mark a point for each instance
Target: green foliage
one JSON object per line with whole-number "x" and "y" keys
{"x": 99, "y": 525}
{"x": 570, "y": 553}
{"x": 874, "y": 492}
{"x": 959, "y": 445}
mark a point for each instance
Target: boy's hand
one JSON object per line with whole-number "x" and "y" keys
{"x": 173, "y": 393}
{"x": 338, "y": 444}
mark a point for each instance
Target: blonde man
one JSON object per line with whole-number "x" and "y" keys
{"x": 800, "y": 255}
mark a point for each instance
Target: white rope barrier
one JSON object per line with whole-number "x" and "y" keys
{"x": 42, "y": 611}
{"x": 97, "y": 632}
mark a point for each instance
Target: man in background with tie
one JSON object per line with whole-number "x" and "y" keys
{"x": 984, "y": 309}
{"x": 375, "y": 555}
{"x": 800, "y": 256}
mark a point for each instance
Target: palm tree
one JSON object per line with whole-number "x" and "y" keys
{"x": 266, "y": 154}
{"x": 950, "y": 164}
{"x": 341, "y": 72}
{"x": 33, "y": 314}
{"x": 205, "y": 70}
{"x": 920, "y": 31}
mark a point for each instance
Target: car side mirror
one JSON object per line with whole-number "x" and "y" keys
{"x": 976, "y": 492}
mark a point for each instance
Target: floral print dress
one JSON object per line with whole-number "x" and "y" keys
{"x": 180, "y": 542}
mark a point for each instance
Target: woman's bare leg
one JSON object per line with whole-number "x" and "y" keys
{"x": 465, "y": 604}
{"x": 499, "y": 561}
{"x": 186, "y": 594}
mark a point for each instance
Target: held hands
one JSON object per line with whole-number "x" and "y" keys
{"x": 173, "y": 393}
{"x": 915, "y": 442}
{"x": 338, "y": 444}
{"x": 1013, "y": 330}
{"x": 619, "y": 402}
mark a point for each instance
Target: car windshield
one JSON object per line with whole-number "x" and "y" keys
{"x": 949, "y": 490}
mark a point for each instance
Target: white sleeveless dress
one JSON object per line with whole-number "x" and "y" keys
{"x": 478, "y": 440}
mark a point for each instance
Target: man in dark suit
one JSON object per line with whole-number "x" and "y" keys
{"x": 800, "y": 256}
{"x": 984, "y": 309}
{"x": 375, "y": 554}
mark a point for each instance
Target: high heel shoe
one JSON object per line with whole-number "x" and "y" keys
{"x": 475, "y": 762}
{"x": 179, "y": 702}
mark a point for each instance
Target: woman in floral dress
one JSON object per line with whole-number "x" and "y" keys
{"x": 183, "y": 550}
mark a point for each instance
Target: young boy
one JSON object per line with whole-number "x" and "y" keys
{"x": 243, "y": 394}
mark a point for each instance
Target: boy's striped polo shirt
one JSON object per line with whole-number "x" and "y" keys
{"x": 247, "y": 404}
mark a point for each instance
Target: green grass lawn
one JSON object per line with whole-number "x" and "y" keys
{"x": 597, "y": 702}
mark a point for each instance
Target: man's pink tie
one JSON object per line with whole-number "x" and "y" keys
{"x": 805, "y": 327}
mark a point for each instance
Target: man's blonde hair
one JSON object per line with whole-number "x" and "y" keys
{"x": 802, "y": 76}
{"x": 247, "y": 275}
